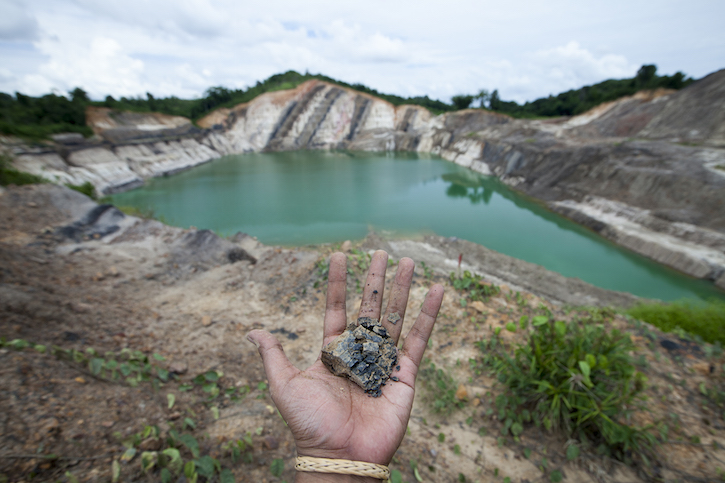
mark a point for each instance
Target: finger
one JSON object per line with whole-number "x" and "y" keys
{"x": 335, "y": 311}
{"x": 395, "y": 311}
{"x": 417, "y": 339}
{"x": 277, "y": 367}
{"x": 372, "y": 298}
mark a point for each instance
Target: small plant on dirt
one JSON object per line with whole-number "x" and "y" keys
{"x": 578, "y": 377}
{"x": 427, "y": 271}
{"x": 322, "y": 269}
{"x": 473, "y": 286}
{"x": 133, "y": 367}
{"x": 180, "y": 453}
{"x": 208, "y": 382}
{"x": 360, "y": 260}
{"x": 440, "y": 389}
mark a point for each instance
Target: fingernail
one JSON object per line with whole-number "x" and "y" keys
{"x": 253, "y": 341}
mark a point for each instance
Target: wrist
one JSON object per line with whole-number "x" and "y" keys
{"x": 332, "y": 478}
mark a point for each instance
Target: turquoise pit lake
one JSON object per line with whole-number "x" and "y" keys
{"x": 312, "y": 197}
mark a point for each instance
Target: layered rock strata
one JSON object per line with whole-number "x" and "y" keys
{"x": 659, "y": 156}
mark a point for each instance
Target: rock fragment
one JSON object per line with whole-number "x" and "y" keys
{"x": 364, "y": 353}
{"x": 178, "y": 367}
{"x": 478, "y": 305}
{"x": 461, "y": 392}
{"x": 393, "y": 318}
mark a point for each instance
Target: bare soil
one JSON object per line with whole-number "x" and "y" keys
{"x": 179, "y": 294}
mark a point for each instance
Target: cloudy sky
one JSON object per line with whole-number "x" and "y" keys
{"x": 524, "y": 48}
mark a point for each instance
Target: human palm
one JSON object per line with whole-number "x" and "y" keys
{"x": 330, "y": 416}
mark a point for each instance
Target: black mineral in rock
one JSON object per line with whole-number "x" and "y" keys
{"x": 364, "y": 353}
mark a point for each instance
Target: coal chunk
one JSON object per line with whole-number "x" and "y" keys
{"x": 364, "y": 353}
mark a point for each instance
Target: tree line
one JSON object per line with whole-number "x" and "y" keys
{"x": 575, "y": 101}
{"x": 39, "y": 117}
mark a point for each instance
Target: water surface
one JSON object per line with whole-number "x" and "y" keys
{"x": 310, "y": 197}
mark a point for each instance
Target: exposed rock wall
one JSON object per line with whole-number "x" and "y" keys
{"x": 637, "y": 152}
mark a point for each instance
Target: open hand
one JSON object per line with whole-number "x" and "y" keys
{"x": 330, "y": 416}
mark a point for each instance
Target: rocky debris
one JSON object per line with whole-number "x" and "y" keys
{"x": 150, "y": 444}
{"x": 100, "y": 221}
{"x": 393, "y": 318}
{"x": 270, "y": 442}
{"x": 363, "y": 353}
{"x": 239, "y": 254}
{"x": 178, "y": 367}
{"x": 204, "y": 249}
{"x": 478, "y": 306}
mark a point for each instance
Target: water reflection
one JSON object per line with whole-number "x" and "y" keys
{"x": 476, "y": 190}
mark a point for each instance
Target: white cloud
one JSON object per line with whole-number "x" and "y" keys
{"x": 179, "y": 18}
{"x": 573, "y": 66}
{"x": 16, "y": 23}
{"x": 182, "y": 47}
{"x": 100, "y": 68}
{"x": 188, "y": 75}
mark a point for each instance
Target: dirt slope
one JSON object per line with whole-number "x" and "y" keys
{"x": 185, "y": 300}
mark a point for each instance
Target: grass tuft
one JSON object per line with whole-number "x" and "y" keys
{"x": 86, "y": 188}
{"x": 705, "y": 320}
{"x": 10, "y": 175}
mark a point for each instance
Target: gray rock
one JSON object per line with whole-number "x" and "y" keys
{"x": 364, "y": 353}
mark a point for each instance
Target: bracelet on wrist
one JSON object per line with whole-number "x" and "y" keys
{"x": 342, "y": 467}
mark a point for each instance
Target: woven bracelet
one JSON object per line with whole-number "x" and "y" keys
{"x": 342, "y": 467}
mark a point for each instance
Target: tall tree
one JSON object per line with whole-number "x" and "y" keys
{"x": 462, "y": 102}
{"x": 483, "y": 98}
{"x": 494, "y": 101}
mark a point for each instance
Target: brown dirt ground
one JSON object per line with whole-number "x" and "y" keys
{"x": 135, "y": 292}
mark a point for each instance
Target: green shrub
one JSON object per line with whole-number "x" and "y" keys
{"x": 35, "y": 132}
{"x": 86, "y": 188}
{"x": 473, "y": 286}
{"x": 10, "y": 175}
{"x": 577, "y": 377}
{"x": 705, "y": 320}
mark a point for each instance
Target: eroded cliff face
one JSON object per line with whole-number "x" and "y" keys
{"x": 659, "y": 157}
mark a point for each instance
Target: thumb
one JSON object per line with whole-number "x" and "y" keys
{"x": 278, "y": 368}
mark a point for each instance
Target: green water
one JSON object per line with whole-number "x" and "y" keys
{"x": 310, "y": 197}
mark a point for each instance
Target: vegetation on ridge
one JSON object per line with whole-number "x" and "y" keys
{"x": 216, "y": 97}
{"x": 577, "y": 101}
{"x": 40, "y": 117}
